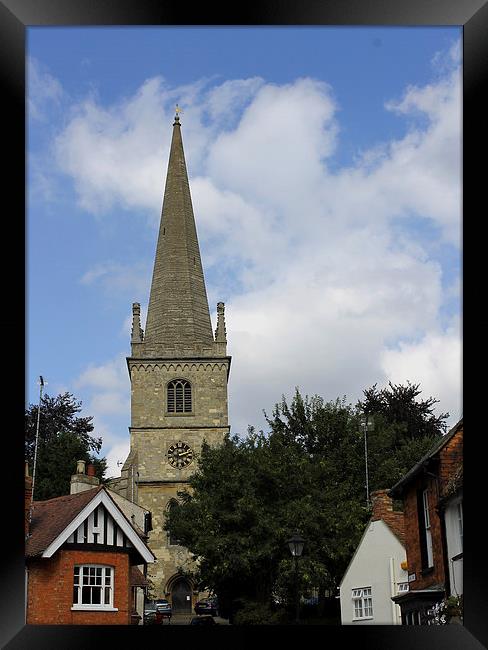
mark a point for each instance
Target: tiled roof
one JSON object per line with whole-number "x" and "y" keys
{"x": 137, "y": 578}
{"x": 50, "y": 518}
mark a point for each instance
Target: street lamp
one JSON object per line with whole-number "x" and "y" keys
{"x": 367, "y": 425}
{"x": 295, "y": 544}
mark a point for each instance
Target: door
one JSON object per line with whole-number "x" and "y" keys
{"x": 181, "y": 596}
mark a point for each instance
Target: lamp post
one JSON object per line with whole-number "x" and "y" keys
{"x": 367, "y": 425}
{"x": 295, "y": 544}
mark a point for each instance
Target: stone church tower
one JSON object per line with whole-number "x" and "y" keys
{"x": 178, "y": 372}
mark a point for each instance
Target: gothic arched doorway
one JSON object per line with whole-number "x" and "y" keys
{"x": 181, "y": 591}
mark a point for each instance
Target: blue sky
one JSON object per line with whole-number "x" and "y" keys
{"x": 324, "y": 167}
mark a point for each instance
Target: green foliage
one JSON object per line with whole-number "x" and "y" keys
{"x": 64, "y": 438}
{"x": 249, "y": 495}
{"x": 405, "y": 428}
{"x": 399, "y": 406}
{"x": 257, "y": 613}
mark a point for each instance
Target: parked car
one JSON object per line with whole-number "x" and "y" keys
{"x": 207, "y": 606}
{"x": 163, "y": 607}
{"x": 149, "y": 613}
{"x": 204, "y": 619}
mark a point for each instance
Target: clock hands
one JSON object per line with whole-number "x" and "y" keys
{"x": 179, "y": 456}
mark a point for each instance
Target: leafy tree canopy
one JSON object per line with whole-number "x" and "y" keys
{"x": 249, "y": 495}
{"x": 64, "y": 438}
{"x": 398, "y": 405}
{"x": 404, "y": 429}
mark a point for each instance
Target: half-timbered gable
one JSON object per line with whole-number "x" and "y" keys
{"x": 89, "y": 519}
{"x": 82, "y": 555}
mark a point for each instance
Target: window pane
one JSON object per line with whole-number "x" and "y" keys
{"x": 96, "y": 596}
{"x": 426, "y": 510}
{"x": 187, "y": 397}
{"x": 368, "y": 607}
{"x": 171, "y": 398}
{"x": 75, "y": 595}
{"x": 107, "y": 595}
{"x": 85, "y": 595}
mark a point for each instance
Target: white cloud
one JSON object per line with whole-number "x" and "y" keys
{"x": 329, "y": 295}
{"x": 435, "y": 363}
{"x": 132, "y": 279}
{"x": 114, "y": 155}
{"x": 43, "y": 90}
{"x": 116, "y": 456}
{"x": 105, "y": 392}
{"x": 109, "y": 376}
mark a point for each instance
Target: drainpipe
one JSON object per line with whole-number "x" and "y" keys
{"x": 393, "y": 590}
{"x": 26, "y": 593}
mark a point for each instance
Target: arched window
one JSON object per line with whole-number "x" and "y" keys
{"x": 179, "y": 396}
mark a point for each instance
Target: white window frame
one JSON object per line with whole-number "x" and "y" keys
{"x": 402, "y": 587}
{"x": 459, "y": 509}
{"x": 94, "y": 576}
{"x": 362, "y": 604}
{"x": 428, "y": 532}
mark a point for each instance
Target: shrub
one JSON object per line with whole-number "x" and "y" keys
{"x": 255, "y": 613}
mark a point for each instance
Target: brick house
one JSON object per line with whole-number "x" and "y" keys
{"x": 376, "y": 571}
{"x": 432, "y": 502}
{"x": 82, "y": 560}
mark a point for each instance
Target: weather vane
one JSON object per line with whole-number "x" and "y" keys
{"x": 178, "y": 110}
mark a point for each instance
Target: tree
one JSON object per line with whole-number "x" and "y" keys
{"x": 405, "y": 428}
{"x": 249, "y": 495}
{"x": 64, "y": 438}
{"x": 398, "y": 405}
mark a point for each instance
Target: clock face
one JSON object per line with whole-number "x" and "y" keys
{"x": 180, "y": 455}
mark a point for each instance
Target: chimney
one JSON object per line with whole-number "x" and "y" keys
{"x": 82, "y": 481}
{"x": 382, "y": 505}
{"x": 383, "y": 510}
{"x": 90, "y": 469}
{"x": 28, "y": 498}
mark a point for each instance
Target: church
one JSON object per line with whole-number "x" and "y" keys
{"x": 178, "y": 372}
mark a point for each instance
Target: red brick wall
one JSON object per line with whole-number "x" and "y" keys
{"x": 450, "y": 457}
{"x": 382, "y": 509}
{"x": 50, "y": 589}
{"x": 413, "y": 542}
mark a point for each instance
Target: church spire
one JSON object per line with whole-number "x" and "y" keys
{"x": 178, "y": 314}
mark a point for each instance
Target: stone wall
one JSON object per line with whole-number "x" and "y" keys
{"x": 153, "y": 430}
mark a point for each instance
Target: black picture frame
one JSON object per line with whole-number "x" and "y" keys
{"x": 15, "y": 17}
